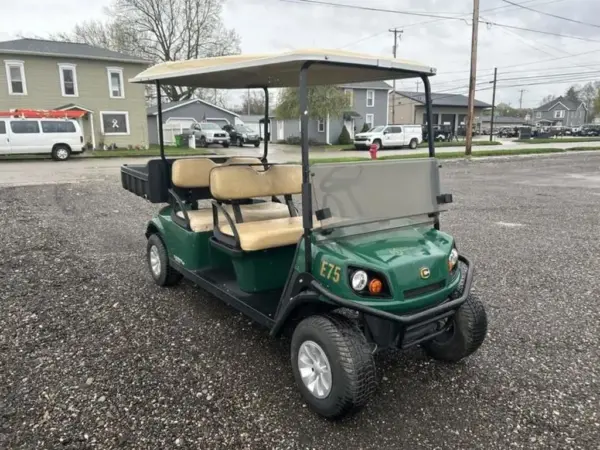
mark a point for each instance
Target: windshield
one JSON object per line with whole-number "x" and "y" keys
{"x": 355, "y": 198}
{"x": 244, "y": 130}
{"x": 210, "y": 126}
{"x": 376, "y": 130}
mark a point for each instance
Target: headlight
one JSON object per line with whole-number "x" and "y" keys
{"x": 245, "y": 136}
{"x": 452, "y": 259}
{"x": 359, "y": 280}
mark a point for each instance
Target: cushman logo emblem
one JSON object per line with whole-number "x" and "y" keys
{"x": 425, "y": 273}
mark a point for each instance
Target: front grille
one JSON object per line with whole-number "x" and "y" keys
{"x": 417, "y": 292}
{"x": 221, "y": 135}
{"x": 360, "y": 139}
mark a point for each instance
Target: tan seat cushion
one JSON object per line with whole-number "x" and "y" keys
{"x": 202, "y": 220}
{"x": 267, "y": 233}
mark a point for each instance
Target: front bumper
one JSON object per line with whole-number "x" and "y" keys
{"x": 217, "y": 140}
{"x": 390, "y": 330}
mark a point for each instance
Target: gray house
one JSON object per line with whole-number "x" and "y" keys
{"x": 561, "y": 112}
{"x": 452, "y": 109}
{"x": 180, "y": 115}
{"x": 368, "y": 104}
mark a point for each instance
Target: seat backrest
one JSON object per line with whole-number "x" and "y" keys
{"x": 242, "y": 160}
{"x": 243, "y": 182}
{"x": 192, "y": 172}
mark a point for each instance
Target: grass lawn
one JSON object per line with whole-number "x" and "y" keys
{"x": 152, "y": 151}
{"x": 455, "y": 155}
{"x": 560, "y": 139}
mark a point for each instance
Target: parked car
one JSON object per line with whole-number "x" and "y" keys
{"x": 390, "y": 136}
{"x": 207, "y": 133}
{"x": 57, "y": 137}
{"x": 241, "y": 134}
{"x": 442, "y": 133}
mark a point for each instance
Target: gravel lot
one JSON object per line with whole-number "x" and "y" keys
{"x": 94, "y": 355}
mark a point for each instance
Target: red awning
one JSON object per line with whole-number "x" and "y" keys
{"x": 42, "y": 113}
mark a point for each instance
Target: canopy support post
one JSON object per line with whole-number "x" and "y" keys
{"x": 307, "y": 214}
{"x": 161, "y": 138}
{"x": 266, "y": 125}
{"x": 428, "y": 105}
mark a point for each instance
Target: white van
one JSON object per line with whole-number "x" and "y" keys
{"x": 390, "y": 136}
{"x": 57, "y": 137}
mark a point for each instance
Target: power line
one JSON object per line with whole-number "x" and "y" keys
{"x": 437, "y": 16}
{"x": 552, "y": 15}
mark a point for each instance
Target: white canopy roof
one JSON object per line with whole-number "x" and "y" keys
{"x": 281, "y": 70}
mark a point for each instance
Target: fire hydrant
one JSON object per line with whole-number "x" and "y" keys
{"x": 373, "y": 151}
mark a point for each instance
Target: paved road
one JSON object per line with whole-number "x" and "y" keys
{"x": 94, "y": 355}
{"x": 19, "y": 173}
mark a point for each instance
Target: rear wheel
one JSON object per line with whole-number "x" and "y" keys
{"x": 158, "y": 262}
{"x": 413, "y": 144}
{"x": 61, "y": 153}
{"x": 466, "y": 333}
{"x": 333, "y": 365}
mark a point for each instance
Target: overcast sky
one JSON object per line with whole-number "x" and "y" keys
{"x": 272, "y": 25}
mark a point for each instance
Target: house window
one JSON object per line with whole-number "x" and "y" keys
{"x": 369, "y": 119}
{"x": 350, "y": 94}
{"x": 559, "y": 114}
{"x": 321, "y": 126}
{"x": 114, "y": 123}
{"x": 25, "y": 126}
{"x": 15, "y": 75}
{"x": 115, "y": 82}
{"x": 370, "y": 98}
{"x": 538, "y": 115}
{"x": 68, "y": 80}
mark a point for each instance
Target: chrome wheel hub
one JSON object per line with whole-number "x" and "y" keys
{"x": 62, "y": 153}
{"x": 154, "y": 261}
{"x": 314, "y": 369}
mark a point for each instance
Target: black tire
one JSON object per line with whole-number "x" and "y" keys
{"x": 379, "y": 143}
{"x": 350, "y": 358}
{"x": 226, "y": 144}
{"x": 61, "y": 152}
{"x": 256, "y": 144}
{"x": 167, "y": 276}
{"x": 240, "y": 142}
{"x": 467, "y": 333}
{"x": 413, "y": 144}
{"x": 203, "y": 142}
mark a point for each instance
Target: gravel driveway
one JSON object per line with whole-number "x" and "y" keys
{"x": 94, "y": 355}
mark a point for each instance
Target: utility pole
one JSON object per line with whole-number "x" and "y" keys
{"x": 493, "y": 105}
{"x": 396, "y": 31}
{"x": 473, "y": 78}
{"x": 521, "y": 99}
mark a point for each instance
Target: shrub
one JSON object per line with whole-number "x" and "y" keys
{"x": 365, "y": 128}
{"x": 345, "y": 138}
{"x": 293, "y": 140}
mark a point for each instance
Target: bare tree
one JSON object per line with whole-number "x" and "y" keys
{"x": 161, "y": 31}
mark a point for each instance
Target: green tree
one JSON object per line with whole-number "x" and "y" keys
{"x": 572, "y": 93}
{"x": 322, "y": 101}
{"x": 345, "y": 138}
{"x": 597, "y": 103}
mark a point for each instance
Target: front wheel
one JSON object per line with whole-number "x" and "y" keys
{"x": 413, "y": 144}
{"x": 256, "y": 144}
{"x": 203, "y": 142}
{"x": 240, "y": 142}
{"x": 225, "y": 144}
{"x": 333, "y": 365}
{"x": 379, "y": 144}
{"x": 467, "y": 332}
{"x": 158, "y": 262}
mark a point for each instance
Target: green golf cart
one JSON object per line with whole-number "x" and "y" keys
{"x": 348, "y": 259}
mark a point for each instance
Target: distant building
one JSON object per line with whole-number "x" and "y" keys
{"x": 561, "y": 112}
{"x": 447, "y": 109}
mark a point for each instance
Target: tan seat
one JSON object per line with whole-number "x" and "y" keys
{"x": 267, "y": 233}
{"x": 242, "y": 182}
{"x": 201, "y": 220}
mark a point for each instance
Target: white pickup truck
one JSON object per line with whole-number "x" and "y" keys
{"x": 390, "y": 136}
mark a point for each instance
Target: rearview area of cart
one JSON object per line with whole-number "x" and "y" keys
{"x": 348, "y": 259}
